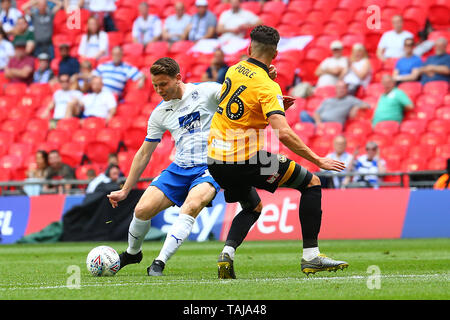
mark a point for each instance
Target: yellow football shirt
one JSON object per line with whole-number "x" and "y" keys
{"x": 248, "y": 98}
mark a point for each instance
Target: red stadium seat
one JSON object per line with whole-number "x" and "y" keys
{"x": 380, "y": 139}
{"x": 313, "y": 104}
{"x": 291, "y": 18}
{"x": 15, "y": 127}
{"x": 39, "y": 89}
{"x": 133, "y": 49}
{"x": 134, "y": 138}
{"x": 411, "y": 165}
{"x": 432, "y": 139}
{"x": 115, "y": 38}
{"x": 11, "y": 162}
{"x": 421, "y": 151}
{"x": 273, "y": 7}
{"x": 443, "y": 113}
{"x": 325, "y": 92}
{"x": 22, "y": 150}
{"x": 392, "y": 153}
{"x": 15, "y": 89}
{"x": 33, "y": 138}
{"x": 437, "y": 164}
{"x": 306, "y": 129}
{"x": 430, "y": 100}
{"x": 404, "y": 141}
{"x": 19, "y": 113}
{"x": 93, "y": 123}
{"x": 5, "y": 174}
{"x": 83, "y": 136}
{"x": 98, "y": 152}
{"x": 72, "y": 153}
{"x": 81, "y": 171}
{"x": 157, "y": 49}
{"x": 375, "y": 90}
{"x": 415, "y": 127}
{"x": 438, "y": 16}
{"x": 322, "y": 145}
{"x": 293, "y": 115}
{"x": 110, "y": 137}
{"x": 388, "y": 128}
{"x": 330, "y": 129}
{"x": 412, "y": 89}
{"x": 359, "y": 128}
{"x": 119, "y": 123}
{"x": 439, "y": 126}
{"x": 70, "y": 124}
{"x": 439, "y": 88}
{"x": 443, "y": 151}
{"x": 59, "y": 137}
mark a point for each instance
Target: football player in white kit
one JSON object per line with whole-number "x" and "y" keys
{"x": 186, "y": 111}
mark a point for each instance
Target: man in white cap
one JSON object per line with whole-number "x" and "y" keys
{"x": 332, "y": 68}
{"x": 203, "y": 23}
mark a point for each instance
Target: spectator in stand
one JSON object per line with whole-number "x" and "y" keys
{"x": 392, "y": 103}
{"x": 22, "y": 33}
{"x": 103, "y": 11}
{"x": 437, "y": 66}
{"x": 100, "y": 103}
{"x": 8, "y": 16}
{"x": 175, "y": 25}
{"x": 93, "y": 44}
{"x": 68, "y": 64}
{"x": 147, "y": 27}
{"x": 332, "y": 68}
{"x": 406, "y": 65}
{"x": 236, "y": 21}
{"x": 42, "y": 20}
{"x": 61, "y": 99}
{"x": 104, "y": 176}
{"x": 391, "y": 42}
{"x": 43, "y": 74}
{"x": 115, "y": 74}
{"x": 340, "y": 154}
{"x": 6, "y": 50}
{"x": 111, "y": 180}
{"x": 82, "y": 81}
{"x": 203, "y": 23}
{"x": 369, "y": 163}
{"x": 337, "y": 109}
{"x": 360, "y": 69}
{"x": 72, "y": 5}
{"x": 58, "y": 171}
{"x": 218, "y": 68}
{"x": 37, "y": 172}
{"x": 21, "y": 66}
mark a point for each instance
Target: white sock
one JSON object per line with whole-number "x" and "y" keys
{"x": 136, "y": 234}
{"x": 230, "y": 251}
{"x": 310, "y": 253}
{"x": 179, "y": 232}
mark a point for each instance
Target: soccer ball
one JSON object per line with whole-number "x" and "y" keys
{"x": 103, "y": 261}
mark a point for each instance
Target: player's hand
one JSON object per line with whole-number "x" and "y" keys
{"x": 272, "y": 72}
{"x": 116, "y": 196}
{"x": 330, "y": 164}
{"x": 288, "y": 102}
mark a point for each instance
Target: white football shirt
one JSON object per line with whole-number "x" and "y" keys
{"x": 188, "y": 120}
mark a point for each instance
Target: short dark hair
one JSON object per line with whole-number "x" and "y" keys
{"x": 265, "y": 35}
{"x": 167, "y": 66}
{"x": 265, "y": 39}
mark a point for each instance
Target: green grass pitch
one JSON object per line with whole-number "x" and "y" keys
{"x": 409, "y": 269}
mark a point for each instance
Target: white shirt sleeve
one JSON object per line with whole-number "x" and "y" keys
{"x": 82, "y": 46}
{"x": 212, "y": 89}
{"x": 135, "y": 30}
{"x": 103, "y": 42}
{"x": 157, "y": 28}
{"x": 383, "y": 39}
{"x": 155, "y": 129}
{"x": 110, "y": 100}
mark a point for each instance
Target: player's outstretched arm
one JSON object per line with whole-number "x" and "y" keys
{"x": 140, "y": 161}
{"x": 288, "y": 137}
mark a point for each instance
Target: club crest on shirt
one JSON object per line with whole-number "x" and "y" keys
{"x": 190, "y": 122}
{"x": 195, "y": 95}
{"x": 281, "y": 158}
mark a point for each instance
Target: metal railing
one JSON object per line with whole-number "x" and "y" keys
{"x": 418, "y": 179}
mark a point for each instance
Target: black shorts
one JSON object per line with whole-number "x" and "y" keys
{"x": 263, "y": 171}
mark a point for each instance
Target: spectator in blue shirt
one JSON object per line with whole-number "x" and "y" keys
{"x": 68, "y": 65}
{"x": 437, "y": 67}
{"x": 43, "y": 74}
{"x": 203, "y": 23}
{"x": 116, "y": 73}
{"x": 218, "y": 68}
{"x": 404, "y": 67}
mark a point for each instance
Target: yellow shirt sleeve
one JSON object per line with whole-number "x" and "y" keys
{"x": 271, "y": 99}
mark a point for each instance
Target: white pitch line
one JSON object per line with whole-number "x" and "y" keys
{"x": 172, "y": 282}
